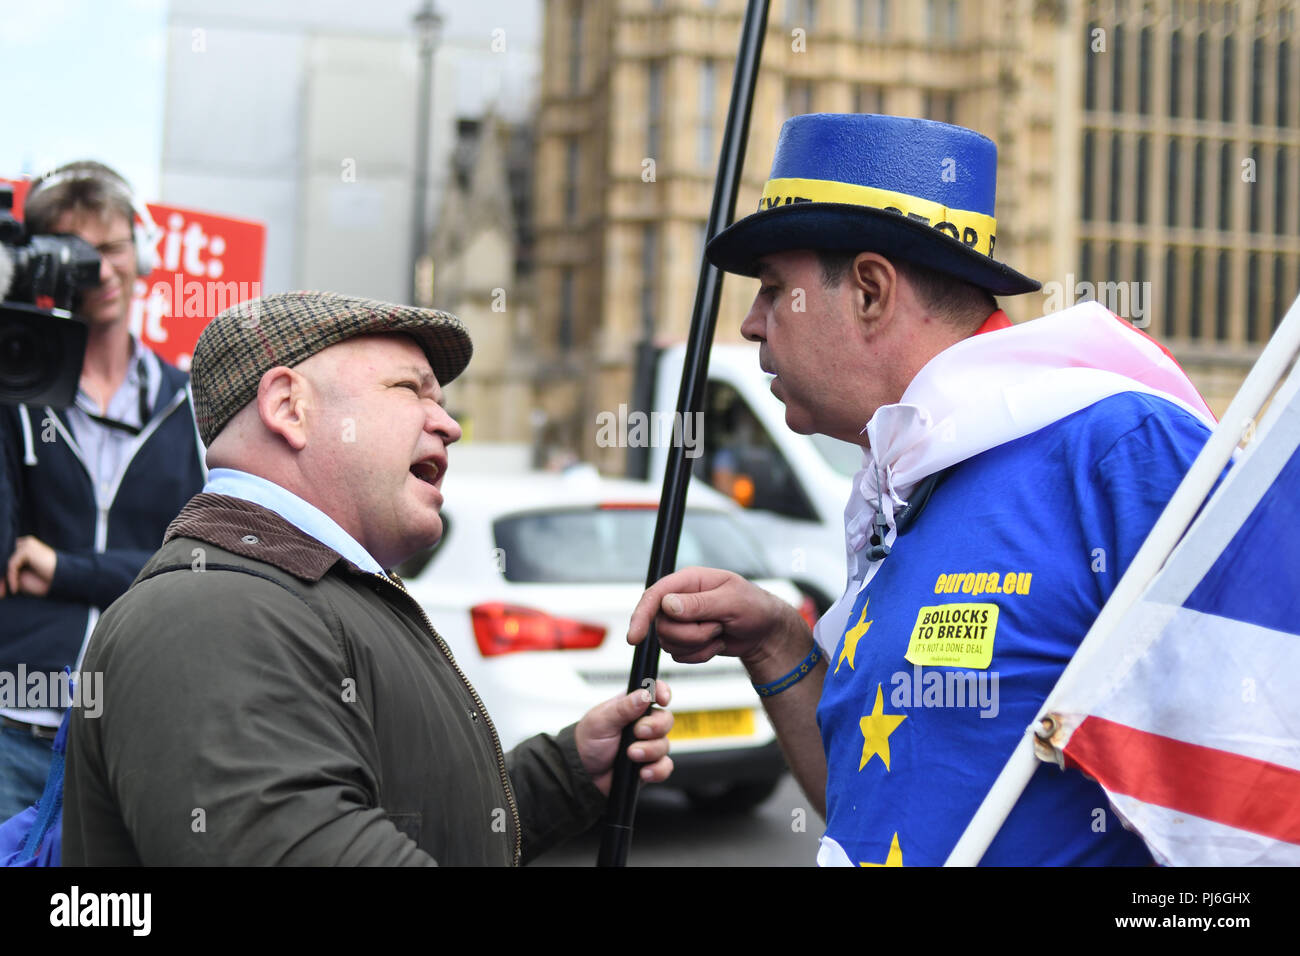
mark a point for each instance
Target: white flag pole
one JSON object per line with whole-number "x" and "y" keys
{"x": 1168, "y": 530}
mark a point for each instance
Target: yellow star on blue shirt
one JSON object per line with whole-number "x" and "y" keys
{"x": 876, "y": 728}
{"x": 851, "y": 638}
{"x": 895, "y": 857}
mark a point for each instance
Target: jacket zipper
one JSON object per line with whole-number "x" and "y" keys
{"x": 478, "y": 701}
{"x": 146, "y": 433}
{"x": 104, "y": 500}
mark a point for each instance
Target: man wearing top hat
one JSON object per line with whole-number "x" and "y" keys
{"x": 271, "y": 692}
{"x": 1010, "y": 473}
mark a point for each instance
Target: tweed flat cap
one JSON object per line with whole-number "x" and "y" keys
{"x": 245, "y": 341}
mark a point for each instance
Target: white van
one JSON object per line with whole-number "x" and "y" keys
{"x": 793, "y": 487}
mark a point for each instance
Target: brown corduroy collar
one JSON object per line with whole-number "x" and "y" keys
{"x": 249, "y": 530}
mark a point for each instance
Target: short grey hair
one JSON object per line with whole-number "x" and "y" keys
{"x": 948, "y": 297}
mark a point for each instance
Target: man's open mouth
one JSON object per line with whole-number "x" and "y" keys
{"x": 426, "y": 471}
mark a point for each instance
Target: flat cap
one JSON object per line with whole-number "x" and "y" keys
{"x": 247, "y": 340}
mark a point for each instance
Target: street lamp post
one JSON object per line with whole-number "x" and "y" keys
{"x": 427, "y": 23}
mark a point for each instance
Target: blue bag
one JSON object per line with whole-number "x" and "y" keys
{"x": 35, "y": 836}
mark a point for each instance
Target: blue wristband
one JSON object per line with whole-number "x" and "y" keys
{"x": 795, "y": 676}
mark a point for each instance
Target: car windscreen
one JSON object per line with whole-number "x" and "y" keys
{"x": 605, "y": 545}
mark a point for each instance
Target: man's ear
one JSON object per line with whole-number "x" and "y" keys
{"x": 875, "y": 290}
{"x": 282, "y": 405}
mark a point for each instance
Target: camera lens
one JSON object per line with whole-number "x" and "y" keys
{"x": 25, "y": 358}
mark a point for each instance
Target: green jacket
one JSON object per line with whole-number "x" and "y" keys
{"x": 265, "y": 701}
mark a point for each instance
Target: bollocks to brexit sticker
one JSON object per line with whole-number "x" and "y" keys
{"x": 954, "y": 635}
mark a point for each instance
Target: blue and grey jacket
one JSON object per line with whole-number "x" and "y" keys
{"x": 103, "y": 536}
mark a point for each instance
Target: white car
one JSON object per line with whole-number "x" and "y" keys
{"x": 532, "y": 586}
{"x": 793, "y": 487}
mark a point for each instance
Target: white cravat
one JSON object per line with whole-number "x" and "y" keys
{"x": 985, "y": 391}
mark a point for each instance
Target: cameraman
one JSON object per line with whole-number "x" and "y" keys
{"x": 87, "y": 491}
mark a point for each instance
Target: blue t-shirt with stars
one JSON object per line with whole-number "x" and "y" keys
{"x": 953, "y": 646}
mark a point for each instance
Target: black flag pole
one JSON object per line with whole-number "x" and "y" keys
{"x": 690, "y": 400}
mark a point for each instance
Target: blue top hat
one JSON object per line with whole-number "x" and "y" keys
{"x": 913, "y": 189}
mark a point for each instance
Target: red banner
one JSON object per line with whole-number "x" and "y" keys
{"x": 21, "y": 186}
{"x": 206, "y": 263}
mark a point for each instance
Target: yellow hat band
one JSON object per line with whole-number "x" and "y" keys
{"x": 973, "y": 229}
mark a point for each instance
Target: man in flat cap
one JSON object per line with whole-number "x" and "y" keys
{"x": 272, "y": 694}
{"x": 1010, "y": 473}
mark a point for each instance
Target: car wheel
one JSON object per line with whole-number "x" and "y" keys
{"x": 733, "y": 798}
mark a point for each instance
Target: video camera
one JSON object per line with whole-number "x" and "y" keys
{"x": 42, "y": 344}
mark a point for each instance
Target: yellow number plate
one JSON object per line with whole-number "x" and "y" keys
{"x": 695, "y": 724}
